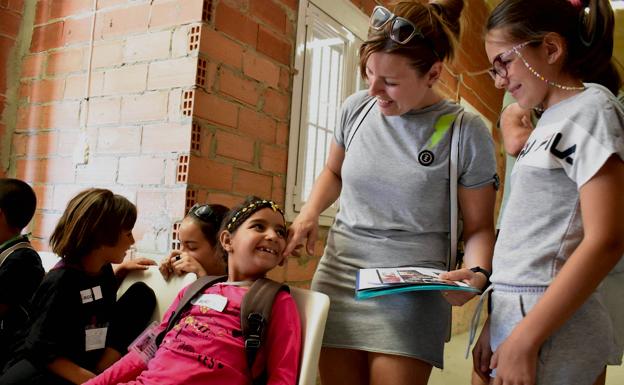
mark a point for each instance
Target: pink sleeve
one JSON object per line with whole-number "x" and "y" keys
{"x": 131, "y": 365}
{"x": 284, "y": 342}
{"x": 126, "y": 369}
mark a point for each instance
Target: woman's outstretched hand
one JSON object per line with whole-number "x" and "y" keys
{"x": 303, "y": 228}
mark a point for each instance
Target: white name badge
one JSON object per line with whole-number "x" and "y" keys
{"x": 90, "y": 295}
{"x": 97, "y": 293}
{"x": 212, "y": 301}
{"x": 86, "y": 295}
{"x": 95, "y": 338}
{"x": 145, "y": 344}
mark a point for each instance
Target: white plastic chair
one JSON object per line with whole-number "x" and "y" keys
{"x": 165, "y": 291}
{"x": 48, "y": 259}
{"x": 313, "y": 307}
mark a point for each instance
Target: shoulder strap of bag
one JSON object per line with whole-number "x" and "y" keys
{"x": 194, "y": 288}
{"x": 255, "y": 316}
{"x": 358, "y": 121}
{"x": 255, "y": 312}
{"x": 453, "y": 212}
{"x": 10, "y": 250}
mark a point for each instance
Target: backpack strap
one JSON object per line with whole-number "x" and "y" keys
{"x": 194, "y": 288}
{"x": 10, "y": 250}
{"x": 255, "y": 316}
{"x": 358, "y": 121}
{"x": 453, "y": 212}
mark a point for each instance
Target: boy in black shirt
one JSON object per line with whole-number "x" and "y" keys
{"x": 21, "y": 271}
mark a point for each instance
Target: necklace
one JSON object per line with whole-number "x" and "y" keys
{"x": 550, "y": 82}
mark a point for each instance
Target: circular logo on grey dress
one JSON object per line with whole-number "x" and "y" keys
{"x": 425, "y": 157}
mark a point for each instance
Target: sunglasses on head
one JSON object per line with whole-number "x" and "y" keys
{"x": 204, "y": 212}
{"x": 401, "y": 29}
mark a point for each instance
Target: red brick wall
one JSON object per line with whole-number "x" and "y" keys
{"x": 189, "y": 100}
{"x": 11, "y": 13}
{"x": 129, "y": 120}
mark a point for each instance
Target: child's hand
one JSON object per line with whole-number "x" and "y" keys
{"x": 165, "y": 267}
{"x": 457, "y": 297}
{"x": 180, "y": 263}
{"x": 126, "y": 266}
{"x": 482, "y": 353}
{"x": 140, "y": 263}
{"x": 515, "y": 361}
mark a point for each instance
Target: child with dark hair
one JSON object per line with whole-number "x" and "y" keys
{"x": 198, "y": 235}
{"x": 20, "y": 265}
{"x": 206, "y": 345}
{"x": 77, "y": 328}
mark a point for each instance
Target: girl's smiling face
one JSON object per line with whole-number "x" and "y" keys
{"x": 256, "y": 246}
{"x": 530, "y": 65}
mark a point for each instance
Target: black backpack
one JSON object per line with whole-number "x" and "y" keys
{"x": 255, "y": 313}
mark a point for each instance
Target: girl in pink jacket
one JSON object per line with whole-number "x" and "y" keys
{"x": 206, "y": 346}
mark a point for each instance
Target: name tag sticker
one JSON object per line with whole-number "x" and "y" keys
{"x": 95, "y": 338}
{"x": 145, "y": 344}
{"x": 86, "y": 295}
{"x": 212, "y": 301}
{"x": 97, "y": 293}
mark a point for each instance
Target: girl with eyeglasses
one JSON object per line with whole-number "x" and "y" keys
{"x": 562, "y": 229}
{"x": 392, "y": 175}
{"x": 198, "y": 235}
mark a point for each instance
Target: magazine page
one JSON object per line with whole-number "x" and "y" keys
{"x": 383, "y": 281}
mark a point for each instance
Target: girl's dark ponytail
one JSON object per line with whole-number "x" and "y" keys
{"x": 595, "y": 45}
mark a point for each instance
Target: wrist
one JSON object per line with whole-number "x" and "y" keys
{"x": 526, "y": 336}
{"x": 485, "y": 273}
{"x": 308, "y": 212}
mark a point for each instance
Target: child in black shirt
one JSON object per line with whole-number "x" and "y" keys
{"x": 78, "y": 328}
{"x": 20, "y": 265}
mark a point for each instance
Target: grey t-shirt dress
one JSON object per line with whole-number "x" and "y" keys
{"x": 394, "y": 211}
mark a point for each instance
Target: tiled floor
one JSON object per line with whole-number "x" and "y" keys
{"x": 458, "y": 370}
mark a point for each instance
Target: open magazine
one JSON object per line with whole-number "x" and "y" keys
{"x": 382, "y": 281}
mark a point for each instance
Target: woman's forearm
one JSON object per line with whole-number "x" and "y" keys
{"x": 477, "y": 207}
{"x": 325, "y": 191}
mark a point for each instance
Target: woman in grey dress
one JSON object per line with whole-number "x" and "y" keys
{"x": 392, "y": 175}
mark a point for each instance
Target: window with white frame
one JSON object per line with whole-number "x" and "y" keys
{"x": 329, "y": 33}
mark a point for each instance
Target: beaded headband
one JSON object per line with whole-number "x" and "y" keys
{"x": 245, "y": 212}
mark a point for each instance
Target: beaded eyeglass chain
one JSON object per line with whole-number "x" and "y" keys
{"x": 499, "y": 67}
{"x": 549, "y": 82}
